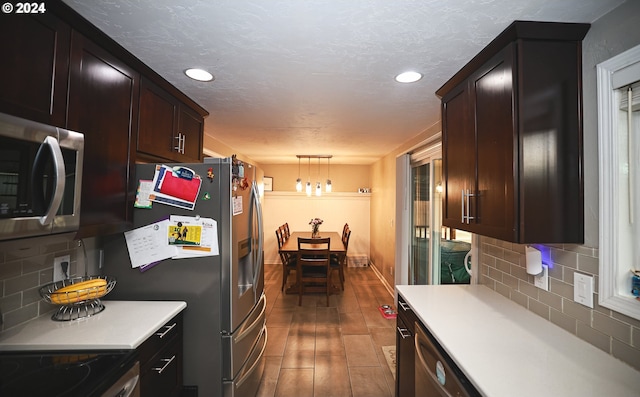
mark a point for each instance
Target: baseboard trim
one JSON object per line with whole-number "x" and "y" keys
{"x": 384, "y": 282}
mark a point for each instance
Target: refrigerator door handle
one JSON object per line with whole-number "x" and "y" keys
{"x": 255, "y": 364}
{"x": 253, "y": 325}
{"x": 259, "y": 254}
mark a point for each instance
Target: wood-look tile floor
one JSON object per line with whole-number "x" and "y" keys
{"x": 319, "y": 351}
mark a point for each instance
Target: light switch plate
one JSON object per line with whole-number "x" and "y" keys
{"x": 583, "y": 289}
{"x": 61, "y": 267}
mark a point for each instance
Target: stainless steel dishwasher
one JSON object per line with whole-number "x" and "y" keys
{"x": 435, "y": 373}
{"x": 128, "y": 385}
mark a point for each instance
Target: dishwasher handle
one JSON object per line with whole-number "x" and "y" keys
{"x": 419, "y": 341}
{"x": 447, "y": 380}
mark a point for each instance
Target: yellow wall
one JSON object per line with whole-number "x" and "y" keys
{"x": 334, "y": 209}
{"x": 344, "y": 178}
{"x": 214, "y": 148}
{"x": 383, "y": 206}
{"x": 342, "y": 205}
{"x": 380, "y": 177}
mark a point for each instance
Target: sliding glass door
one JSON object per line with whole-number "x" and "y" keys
{"x": 420, "y": 223}
{"x": 438, "y": 255}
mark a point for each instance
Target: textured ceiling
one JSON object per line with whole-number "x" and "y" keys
{"x": 316, "y": 76}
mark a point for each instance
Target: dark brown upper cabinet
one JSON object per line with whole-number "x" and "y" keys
{"x": 168, "y": 130}
{"x": 512, "y": 137}
{"x": 34, "y": 67}
{"x": 103, "y": 102}
{"x": 59, "y": 69}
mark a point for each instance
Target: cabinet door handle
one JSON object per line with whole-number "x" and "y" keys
{"x": 465, "y": 201}
{"x": 167, "y": 361}
{"x": 179, "y": 138}
{"x": 168, "y": 329}
{"x": 468, "y": 217}
{"x": 404, "y": 306}
{"x": 184, "y": 141}
{"x": 462, "y": 206}
{"x": 469, "y": 195}
{"x": 404, "y": 333}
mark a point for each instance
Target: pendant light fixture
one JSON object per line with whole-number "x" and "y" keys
{"x": 308, "y": 187}
{"x": 318, "y": 186}
{"x": 328, "y": 184}
{"x": 298, "y": 181}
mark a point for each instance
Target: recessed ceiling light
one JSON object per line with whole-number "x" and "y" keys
{"x": 408, "y": 77}
{"x": 199, "y": 74}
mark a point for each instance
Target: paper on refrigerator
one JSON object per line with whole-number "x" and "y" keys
{"x": 148, "y": 244}
{"x": 156, "y": 242}
{"x": 176, "y": 186}
{"x": 201, "y": 242}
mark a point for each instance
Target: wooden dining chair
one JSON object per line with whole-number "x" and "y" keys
{"x": 288, "y": 261}
{"x": 283, "y": 232}
{"x": 339, "y": 261}
{"x": 313, "y": 271}
{"x": 286, "y": 230}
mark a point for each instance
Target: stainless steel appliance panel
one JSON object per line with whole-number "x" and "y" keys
{"x": 238, "y": 346}
{"x": 222, "y": 292}
{"x": 435, "y": 373}
{"x": 128, "y": 385}
{"x": 243, "y": 280}
{"x": 40, "y": 178}
{"x": 248, "y": 379}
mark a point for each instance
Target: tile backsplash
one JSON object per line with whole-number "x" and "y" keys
{"x": 25, "y": 266}
{"x": 503, "y": 270}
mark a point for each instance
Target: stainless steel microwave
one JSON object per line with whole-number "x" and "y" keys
{"x": 40, "y": 178}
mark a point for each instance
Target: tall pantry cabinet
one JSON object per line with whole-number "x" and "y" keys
{"x": 512, "y": 137}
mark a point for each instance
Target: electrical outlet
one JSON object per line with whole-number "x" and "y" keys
{"x": 61, "y": 267}
{"x": 542, "y": 279}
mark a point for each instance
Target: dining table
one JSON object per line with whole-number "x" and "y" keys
{"x": 290, "y": 247}
{"x": 335, "y": 244}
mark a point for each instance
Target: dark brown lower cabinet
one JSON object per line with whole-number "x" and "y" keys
{"x": 161, "y": 361}
{"x": 405, "y": 350}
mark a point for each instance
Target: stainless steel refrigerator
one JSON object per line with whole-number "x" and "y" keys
{"x": 225, "y": 331}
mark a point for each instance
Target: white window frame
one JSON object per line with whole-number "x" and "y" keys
{"x": 624, "y": 64}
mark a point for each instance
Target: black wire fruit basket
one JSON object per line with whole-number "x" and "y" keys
{"x": 77, "y": 297}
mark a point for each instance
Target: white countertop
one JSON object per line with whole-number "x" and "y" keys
{"x": 121, "y": 325}
{"x": 506, "y": 350}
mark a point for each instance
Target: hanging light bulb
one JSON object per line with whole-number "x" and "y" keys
{"x": 318, "y": 186}
{"x": 298, "y": 181}
{"x": 308, "y": 187}
{"x": 328, "y": 184}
